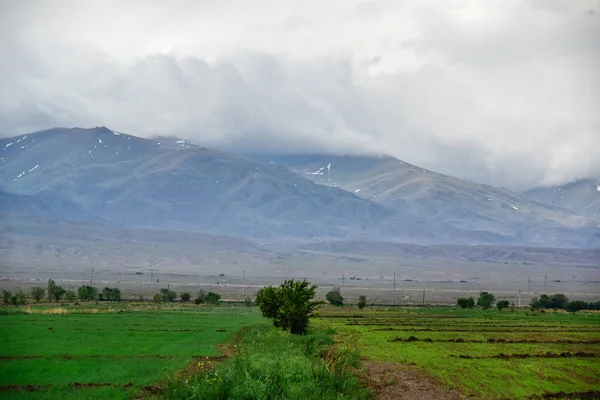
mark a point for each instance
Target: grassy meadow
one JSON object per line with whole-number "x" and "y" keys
{"x": 107, "y": 352}
{"x": 175, "y": 351}
{"x": 483, "y": 354}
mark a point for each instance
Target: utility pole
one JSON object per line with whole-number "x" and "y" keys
{"x": 343, "y": 280}
{"x": 529, "y": 285}
{"x": 519, "y": 298}
{"x": 423, "y": 296}
{"x": 92, "y": 280}
{"x": 151, "y": 274}
{"x": 394, "y": 282}
{"x": 545, "y": 281}
{"x": 244, "y": 275}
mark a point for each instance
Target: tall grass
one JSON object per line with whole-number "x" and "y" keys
{"x": 272, "y": 364}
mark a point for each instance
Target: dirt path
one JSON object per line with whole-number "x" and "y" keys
{"x": 392, "y": 381}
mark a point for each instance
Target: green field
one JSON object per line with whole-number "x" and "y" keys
{"x": 107, "y": 352}
{"x": 484, "y": 354}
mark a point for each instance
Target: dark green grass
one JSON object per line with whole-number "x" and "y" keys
{"x": 479, "y": 378}
{"x": 114, "y": 340}
{"x": 272, "y": 364}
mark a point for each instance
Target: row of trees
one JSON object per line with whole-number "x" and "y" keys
{"x": 57, "y": 293}
{"x": 485, "y": 301}
{"x": 165, "y": 295}
{"x": 561, "y": 302}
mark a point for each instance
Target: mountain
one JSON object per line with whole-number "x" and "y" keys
{"x": 582, "y": 197}
{"x": 443, "y": 199}
{"x": 115, "y": 179}
{"x": 133, "y": 182}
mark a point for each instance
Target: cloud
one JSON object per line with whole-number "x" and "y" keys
{"x": 500, "y": 92}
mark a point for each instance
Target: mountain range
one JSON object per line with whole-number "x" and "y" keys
{"x": 118, "y": 180}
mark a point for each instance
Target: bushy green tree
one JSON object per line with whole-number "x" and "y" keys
{"x": 110, "y": 294}
{"x": 485, "y": 300}
{"x": 558, "y": 301}
{"x": 502, "y": 304}
{"x": 167, "y": 295}
{"x": 290, "y": 306}
{"x": 578, "y": 305}
{"x": 87, "y": 292}
{"x": 212, "y": 298}
{"x": 185, "y": 297}
{"x": 334, "y": 297}
{"x": 464, "y": 302}
{"x": 57, "y": 292}
{"x": 38, "y": 293}
{"x": 362, "y": 302}
{"x": 70, "y": 295}
{"x": 50, "y": 291}
{"x": 6, "y": 296}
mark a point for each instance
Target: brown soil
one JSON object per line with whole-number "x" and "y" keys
{"x": 391, "y": 381}
{"x": 79, "y": 385}
{"x": 29, "y": 388}
{"x": 501, "y": 356}
{"x": 494, "y": 341}
{"x": 592, "y": 394}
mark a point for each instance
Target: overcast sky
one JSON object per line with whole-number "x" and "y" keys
{"x": 499, "y": 91}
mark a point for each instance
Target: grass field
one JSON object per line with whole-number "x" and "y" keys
{"x": 484, "y": 354}
{"x": 108, "y": 352}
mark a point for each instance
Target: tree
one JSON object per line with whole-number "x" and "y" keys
{"x": 362, "y": 302}
{"x": 485, "y": 300}
{"x": 248, "y": 302}
{"x": 51, "y": 285}
{"x": 18, "y": 298}
{"x": 558, "y": 301}
{"x": 157, "y": 298}
{"x": 38, "y": 293}
{"x": 70, "y": 295}
{"x": 212, "y": 298}
{"x": 6, "y": 296}
{"x": 577, "y": 305}
{"x": 200, "y": 297}
{"x": 501, "y": 305}
{"x": 185, "y": 297}
{"x": 110, "y": 294}
{"x": 534, "y": 304}
{"x": 87, "y": 293}
{"x": 466, "y": 302}
{"x": 57, "y": 292}
{"x": 167, "y": 295}
{"x": 290, "y": 306}
{"x": 334, "y": 297}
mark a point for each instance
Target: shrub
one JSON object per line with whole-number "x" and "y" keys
{"x": 362, "y": 302}
{"x": 290, "y": 306}
{"x": 87, "y": 293}
{"x": 185, "y": 297}
{"x": 157, "y": 298}
{"x": 248, "y": 302}
{"x": 334, "y": 297}
{"x": 38, "y": 293}
{"x": 485, "y": 300}
{"x": 501, "y": 305}
{"x": 212, "y": 298}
